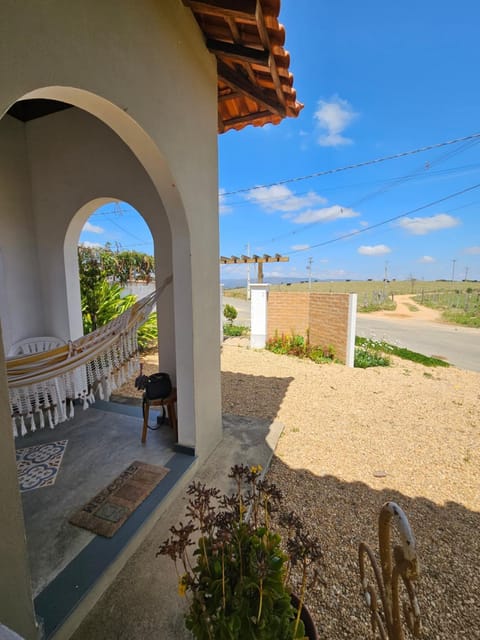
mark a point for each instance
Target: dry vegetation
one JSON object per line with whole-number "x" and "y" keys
{"x": 365, "y": 287}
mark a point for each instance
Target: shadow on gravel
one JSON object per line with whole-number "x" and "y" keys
{"x": 264, "y": 392}
{"x": 344, "y": 514}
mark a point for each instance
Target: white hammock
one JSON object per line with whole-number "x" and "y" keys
{"x": 45, "y": 385}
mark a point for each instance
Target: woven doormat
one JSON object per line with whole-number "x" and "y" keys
{"x": 38, "y": 466}
{"x": 110, "y": 508}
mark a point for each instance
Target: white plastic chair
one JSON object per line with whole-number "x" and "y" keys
{"x": 27, "y": 346}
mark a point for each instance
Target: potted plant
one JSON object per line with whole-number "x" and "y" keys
{"x": 238, "y": 576}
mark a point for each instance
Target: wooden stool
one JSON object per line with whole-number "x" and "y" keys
{"x": 168, "y": 402}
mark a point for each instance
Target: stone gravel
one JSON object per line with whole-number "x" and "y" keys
{"x": 354, "y": 439}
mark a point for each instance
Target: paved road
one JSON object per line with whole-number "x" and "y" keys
{"x": 458, "y": 345}
{"x": 243, "y": 309}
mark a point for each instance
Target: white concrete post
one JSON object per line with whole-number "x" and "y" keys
{"x": 351, "y": 329}
{"x": 258, "y": 315}
{"x": 221, "y": 313}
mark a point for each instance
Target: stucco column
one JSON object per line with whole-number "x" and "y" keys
{"x": 221, "y": 313}
{"x": 351, "y": 329}
{"x": 16, "y": 604}
{"x": 258, "y": 315}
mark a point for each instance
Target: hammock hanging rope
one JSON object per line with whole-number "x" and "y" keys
{"x": 44, "y": 385}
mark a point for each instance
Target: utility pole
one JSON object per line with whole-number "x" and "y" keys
{"x": 453, "y": 269}
{"x": 309, "y": 269}
{"x": 466, "y": 274}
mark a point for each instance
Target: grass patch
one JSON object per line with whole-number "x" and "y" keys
{"x": 301, "y": 348}
{"x": 235, "y": 330}
{"x": 465, "y": 318}
{"x": 400, "y": 352}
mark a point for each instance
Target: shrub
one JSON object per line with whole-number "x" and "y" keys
{"x": 230, "y": 313}
{"x": 234, "y": 330}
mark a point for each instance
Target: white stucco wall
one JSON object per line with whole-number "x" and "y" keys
{"x": 20, "y": 308}
{"x": 141, "y": 68}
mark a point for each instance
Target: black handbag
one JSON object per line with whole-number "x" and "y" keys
{"x": 159, "y": 386}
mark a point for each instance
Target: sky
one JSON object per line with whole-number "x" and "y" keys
{"x": 377, "y": 79}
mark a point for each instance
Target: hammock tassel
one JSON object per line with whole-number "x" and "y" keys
{"x": 71, "y": 408}
{"x": 14, "y": 427}
{"x": 23, "y": 428}
{"x": 49, "y": 417}
{"x": 85, "y": 403}
{"x": 32, "y": 423}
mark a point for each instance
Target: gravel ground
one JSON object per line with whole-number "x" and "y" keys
{"x": 354, "y": 439}
{"x": 417, "y": 427}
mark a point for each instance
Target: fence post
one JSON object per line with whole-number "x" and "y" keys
{"x": 258, "y": 315}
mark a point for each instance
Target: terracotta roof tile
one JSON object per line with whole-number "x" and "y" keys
{"x": 254, "y": 83}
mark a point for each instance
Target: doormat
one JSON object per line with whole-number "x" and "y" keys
{"x": 38, "y": 466}
{"x": 110, "y": 508}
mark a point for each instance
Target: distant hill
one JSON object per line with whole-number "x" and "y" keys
{"x": 237, "y": 283}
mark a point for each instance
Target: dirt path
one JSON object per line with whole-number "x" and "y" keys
{"x": 409, "y": 309}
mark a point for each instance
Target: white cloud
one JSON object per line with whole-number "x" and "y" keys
{"x": 92, "y": 228}
{"x": 91, "y": 245}
{"x": 422, "y": 226}
{"x": 280, "y": 198}
{"x": 332, "y": 118}
{"x": 374, "y": 250}
{"x": 300, "y": 247}
{"x": 326, "y": 214}
{"x": 473, "y": 250}
{"x": 222, "y": 206}
{"x": 426, "y": 259}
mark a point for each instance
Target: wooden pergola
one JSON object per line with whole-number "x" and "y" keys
{"x": 258, "y": 260}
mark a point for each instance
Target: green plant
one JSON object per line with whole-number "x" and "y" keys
{"x": 238, "y": 578}
{"x": 295, "y": 345}
{"x": 230, "y": 313}
{"x": 234, "y": 330}
{"x": 400, "y": 352}
{"x": 367, "y": 356}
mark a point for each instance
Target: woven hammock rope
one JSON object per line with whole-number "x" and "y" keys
{"x": 45, "y": 385}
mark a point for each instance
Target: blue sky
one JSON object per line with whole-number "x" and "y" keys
{"x": 377, "y": 79}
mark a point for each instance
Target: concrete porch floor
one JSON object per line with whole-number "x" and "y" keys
{"x": 67, "y": 562}
{"x": 102, "y": 442}
{"x": 71, "y": 567}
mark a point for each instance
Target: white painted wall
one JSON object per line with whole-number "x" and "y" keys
{"x": 143, "y": 70}
{"x": 21, "y": 313}
{"x": 258, "y": 315}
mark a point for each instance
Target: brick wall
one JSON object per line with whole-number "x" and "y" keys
{"x": 287, "y": 313}
{"x": 324, "y": 314}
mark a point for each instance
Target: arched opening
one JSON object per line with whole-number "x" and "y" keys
{"x": 73, "y": 157}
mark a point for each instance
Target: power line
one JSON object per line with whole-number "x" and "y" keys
{"x": 358, "y": 165}
{"x": 383, "y": 222}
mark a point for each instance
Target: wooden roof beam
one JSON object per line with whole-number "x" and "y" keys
{"x": 265, "y": 40}
{"x": 238, "y": 53}
{"x": 238, "y": 9}
{"x": 237, "y": 83}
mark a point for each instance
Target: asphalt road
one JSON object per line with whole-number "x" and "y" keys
{"x": 458, "y": 345}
